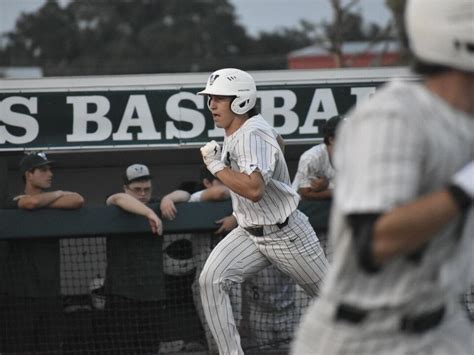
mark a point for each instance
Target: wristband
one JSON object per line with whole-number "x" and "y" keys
{"x": 215, "y": 166}
{"x": 460, "y": 197}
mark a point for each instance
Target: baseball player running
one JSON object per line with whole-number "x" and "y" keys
{"x": 402, "y": 223}
{"x": 270, "y": 228}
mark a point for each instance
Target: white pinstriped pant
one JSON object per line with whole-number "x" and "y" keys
{"x": 294, "y": 250}
{"x": 320, "y": 334}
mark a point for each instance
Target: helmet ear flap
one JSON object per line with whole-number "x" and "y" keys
{"x": 236, "y": 106}
{"x": 243, "y": 104}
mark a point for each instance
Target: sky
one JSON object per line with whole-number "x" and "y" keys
{"x": 254, "y": 15}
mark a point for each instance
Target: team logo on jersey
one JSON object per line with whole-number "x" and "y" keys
{"x": 213, "y": 78}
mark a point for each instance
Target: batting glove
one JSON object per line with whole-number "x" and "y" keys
{"x": 211, "y": 155}
{"x": 462, "y": 186}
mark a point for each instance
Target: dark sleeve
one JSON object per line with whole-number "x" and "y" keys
{"x": 362, "y": 226}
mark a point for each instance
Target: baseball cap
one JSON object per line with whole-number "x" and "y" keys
{"x": 34, "y": 160}
{"x": 135, "y": 172}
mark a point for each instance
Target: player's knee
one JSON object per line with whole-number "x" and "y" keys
{"x": 210, "y": 280}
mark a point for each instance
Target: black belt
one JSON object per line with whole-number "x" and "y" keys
{"x": 419, "y": 323}
{"x": 258, "y": 231}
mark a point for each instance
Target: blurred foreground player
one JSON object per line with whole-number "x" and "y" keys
{"x": 402, "y": 223}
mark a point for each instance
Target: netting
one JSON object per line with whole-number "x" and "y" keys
{"x": 131, "y": 295}
{"x": 134, "y": 295}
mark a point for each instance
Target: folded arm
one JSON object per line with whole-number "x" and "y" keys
{"x": 54, "y": 199}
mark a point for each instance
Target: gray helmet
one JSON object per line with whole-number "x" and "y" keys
{"x": 442, "y": 32}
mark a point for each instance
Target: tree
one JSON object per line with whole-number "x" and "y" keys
{"x": 111, "y": 37}
{"x": 348, "y": 26}
{"x": 398, "y": 8}
{"x": 37, "y": 37}
{"x": 158, "y": 36}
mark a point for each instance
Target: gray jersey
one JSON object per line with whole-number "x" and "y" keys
{"x": 264, "y": 155}
{"x": 408, "y": 143}
{"x": 313, "y": 163}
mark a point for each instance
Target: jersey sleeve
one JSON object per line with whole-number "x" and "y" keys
{"x": 196, "y": 197}
{"x": 377, "y": 158}
{"x": 257, "y": 151}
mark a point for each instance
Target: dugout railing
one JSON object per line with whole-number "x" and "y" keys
{"x": 53, "y": 266}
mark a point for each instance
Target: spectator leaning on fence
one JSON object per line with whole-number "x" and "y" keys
{"x": 134, "y": 277}
{"x": 314, "y": 178}
{"x": 38, "y": 176}
{"x": 134, "y": 282}
{"x": 30, "y": 318}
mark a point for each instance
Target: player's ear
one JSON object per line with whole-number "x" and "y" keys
{"x": 28, "y": 174}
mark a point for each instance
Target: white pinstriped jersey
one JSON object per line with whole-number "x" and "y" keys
{"x": 313, "y": 163}
{"x": 251, "y": 148}
{"x": 408, "y": 143}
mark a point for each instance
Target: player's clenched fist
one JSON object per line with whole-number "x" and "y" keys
{"x": 211, "y": 151}
{"x": 211, "y": 155}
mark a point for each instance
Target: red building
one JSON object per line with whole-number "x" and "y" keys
{"x": 355, "y": 54}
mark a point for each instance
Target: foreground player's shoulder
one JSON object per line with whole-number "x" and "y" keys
{"x": 392, "y": 102}
{"x": 392, "y": 97}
